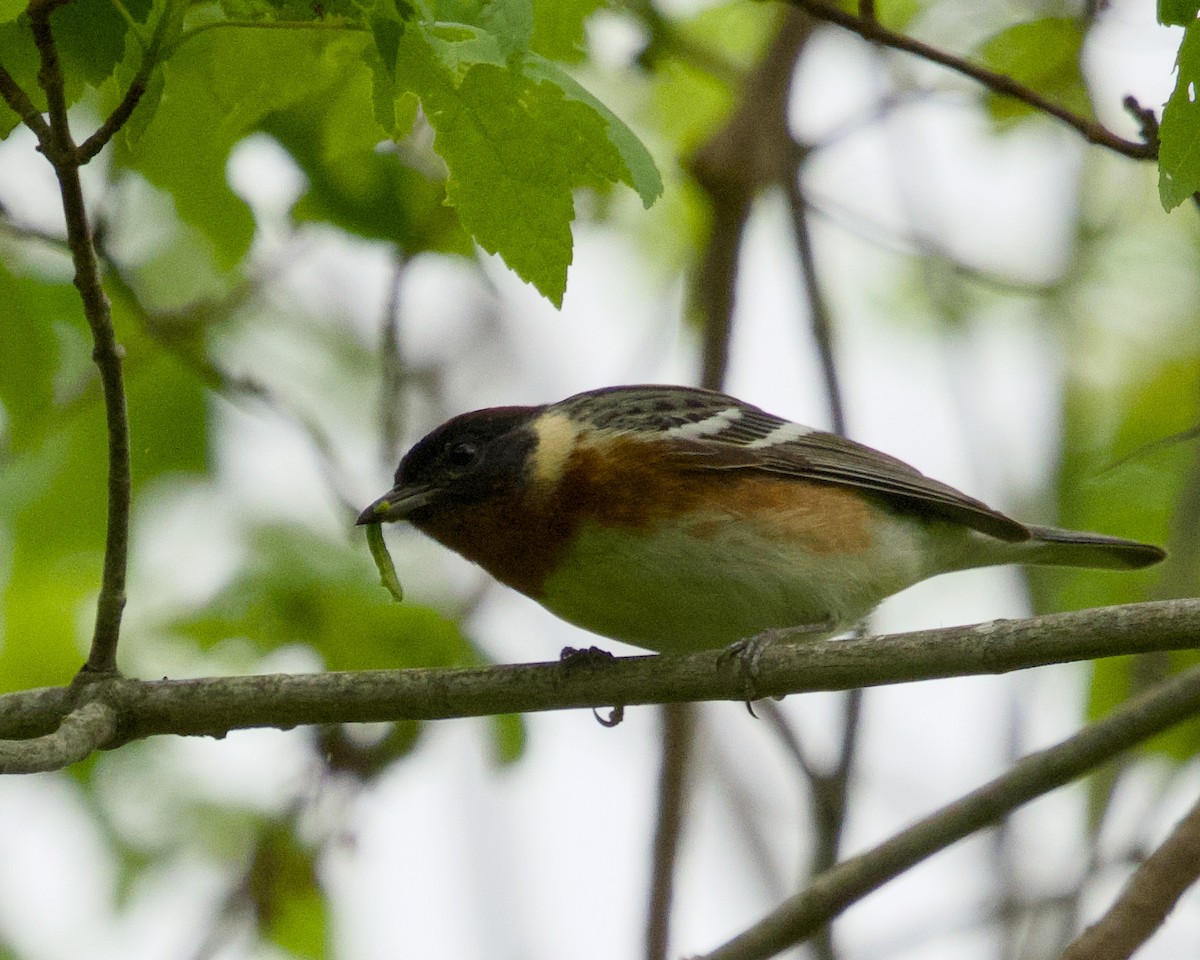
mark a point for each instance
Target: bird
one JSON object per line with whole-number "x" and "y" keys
{"x": 678, "y": 519}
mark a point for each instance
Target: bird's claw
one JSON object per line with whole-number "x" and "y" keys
{"x": 615, "y": 716}
{"x": 746, "y": 654}
{"x": 573, "y": 657}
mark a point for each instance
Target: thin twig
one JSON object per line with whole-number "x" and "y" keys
{"x": 828, "y": 793}
{"x": 818, "y": 307}
{"x": 22, "y": 106}
{"x": 875, "y": 32}
{"x": 136, "y": 90}
{"x": 831, "y": 790}
{"x": 58, "y": 145}
{"x": 60, "y": 150}
{"x": 79, "y": 734}
{"x": 1168, "y": 704}
{"x": 678, "y": 726}
{"x": 120, "y": 115}
{"x": 745, "y": 156}
{"x": 1149, "y": 896}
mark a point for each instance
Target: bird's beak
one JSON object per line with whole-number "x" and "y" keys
{"x": 397, "y": 504}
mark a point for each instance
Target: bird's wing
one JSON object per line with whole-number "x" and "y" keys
{"x": 711, "y": 431}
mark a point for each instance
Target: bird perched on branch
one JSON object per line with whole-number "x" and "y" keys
{"x": 679, "y": 519}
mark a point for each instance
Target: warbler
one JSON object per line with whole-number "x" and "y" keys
{"x": 677, "y": 519}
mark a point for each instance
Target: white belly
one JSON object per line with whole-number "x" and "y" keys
{"x": 690, "y": 587}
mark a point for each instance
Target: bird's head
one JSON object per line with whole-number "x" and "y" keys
{"x": 469, "y": 459}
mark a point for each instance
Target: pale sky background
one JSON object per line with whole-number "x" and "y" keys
{"x": 449, "y": 858}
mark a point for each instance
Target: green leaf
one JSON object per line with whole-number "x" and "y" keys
{"x": 292, "y": 11}
{"x": 518, "y": 139}
{"x": 510, "y": 21}
{"x": 20, "y": 59}
{"x": 167, "y": 31}
{"x": 896, "y": 14}
{"x": 558, "y": 27}
{"x": 11, "y": 9}
{"x": 375, "y": 196}
{"x": 691, "y": 99}
{"x": 1179, "y": 133}
{"x": 1043, "y": 55}
{"x": 353, "y": 184}
{"x": 146, "y": 108}
{"x": 218, "y": 85}
{"x": 640, "y": 171}
{"x": 91, "y": 37}
{"x": 1135, "y": 499}
{"x": 1179, "y": 13}
{"x": 394, "y": 110}
{"x": 386, "y": 29}
{"x": 41, "y": 608}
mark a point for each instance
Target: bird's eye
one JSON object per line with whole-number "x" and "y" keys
{"x": 462, "y": 453}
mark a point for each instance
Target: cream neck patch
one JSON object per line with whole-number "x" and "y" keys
{"x": 556, "y": 435}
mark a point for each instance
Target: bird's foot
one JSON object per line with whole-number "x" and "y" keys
{"x": 746, "y": 655}
{"x": 575, "y": 658}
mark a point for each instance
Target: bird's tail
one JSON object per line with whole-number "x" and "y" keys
{"x": 1072, "y": 548}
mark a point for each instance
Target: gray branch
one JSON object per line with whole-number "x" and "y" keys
{"x": 214, "y": 706}
{"x": 81, "y": 732}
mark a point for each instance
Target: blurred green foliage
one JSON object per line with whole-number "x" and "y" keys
{"x": 1044, "y": 55}
{"x": 298, "y": 587}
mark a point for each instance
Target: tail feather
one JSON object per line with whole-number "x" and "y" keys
{"x": 1072, "y": 548}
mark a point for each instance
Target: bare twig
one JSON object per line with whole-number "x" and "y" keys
{"x": 136, "y": 90}
{"x": 830, "y": 790}
{"x": 1147, "y": 119}
{"x": 60, "y": 150}
{"x": 1148, "y": 897}
{"x": 22, "y": 106}
{"x": 57, "y": 145}
{"x": 80, "y": 733}
{"x": 828, "y": 895}
{"x": 678, "y": 725}
{"x": 871, "y": 29}
{"x": 818, "y": 308}
{"x": 120, "y": 115}
{"x": 746, "y": 155}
